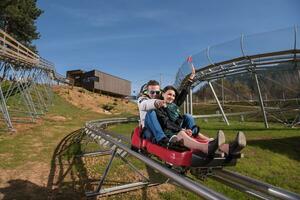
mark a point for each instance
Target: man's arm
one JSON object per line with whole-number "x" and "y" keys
{"x": 145, "y": 104}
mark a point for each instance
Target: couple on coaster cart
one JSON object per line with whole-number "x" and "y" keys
{"x": 163, "y": 124}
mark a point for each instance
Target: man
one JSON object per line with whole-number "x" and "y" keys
{"x": 147, "y": 103}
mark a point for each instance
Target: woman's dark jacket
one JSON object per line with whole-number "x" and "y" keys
{"x": 172, "y": 127}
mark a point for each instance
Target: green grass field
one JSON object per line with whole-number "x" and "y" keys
{"x": 40, "y": 160}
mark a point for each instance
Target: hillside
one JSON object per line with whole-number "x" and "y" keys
{"x": 95, "y": 102}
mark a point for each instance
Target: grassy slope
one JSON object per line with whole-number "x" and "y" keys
{"x": 37, "y": 143}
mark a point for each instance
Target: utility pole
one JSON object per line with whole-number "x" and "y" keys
{"x": 160, "y": 79}
{"x": 223, "y": 91}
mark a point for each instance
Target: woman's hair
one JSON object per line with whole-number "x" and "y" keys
{"x": 170, "y": 87}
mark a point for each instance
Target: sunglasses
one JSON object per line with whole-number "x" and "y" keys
{"x": 152, "y": 92}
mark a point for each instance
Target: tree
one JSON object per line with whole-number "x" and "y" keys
{"x": 17, "y": 18}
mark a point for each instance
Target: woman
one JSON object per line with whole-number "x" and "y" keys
{"x": 182, "y": 127}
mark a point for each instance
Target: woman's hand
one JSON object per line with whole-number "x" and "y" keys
{"x": 189, "y": 132}
{"x": 192, "y": 76}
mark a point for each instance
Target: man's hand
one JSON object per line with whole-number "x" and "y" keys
{"x": 159, "y": 103}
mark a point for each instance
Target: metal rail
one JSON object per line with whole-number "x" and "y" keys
{"x": 253, "y": 187}
{"x": 249, "y": 186}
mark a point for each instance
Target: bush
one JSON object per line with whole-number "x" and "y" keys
{"x": 81, "y": 90}
{"x": 108, "y": 106}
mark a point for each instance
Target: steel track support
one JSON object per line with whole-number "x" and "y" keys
{"x": 106, "y": 171}
{"x": 13, "y": 87}
{"x": 261, "y": 101}
{"x": 38, "y": 86}
{"x": 44, "y": 84}
{"x": 38, "y": 94}
{"x": 117, "y": 189}
{"x": 24, "y": 94}
{"x": 190, "y": 101}
{"x": 187, "y": 104}
{"x": 40, "y": 102}
{"x": 40, "y": 99}
{"x": 3, "y": 104}
{"x": 218, "y": 102}
{"x": 5, "y": 111}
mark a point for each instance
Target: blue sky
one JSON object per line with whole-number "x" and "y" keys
{"x": 140, "y": 40}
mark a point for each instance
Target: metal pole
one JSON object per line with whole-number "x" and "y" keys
{"x": 191, "y": 101}
{"x": 187, "y": 104}
{"x": 184, "y": 107}
{"x": 106, "y": 171}
{"x": 222, "y": 91}
{"x": 160, "y": 79}
{"x": 5, "y": 111}
{"x": 261, "y": 101}
{"x": 218, "y": 102}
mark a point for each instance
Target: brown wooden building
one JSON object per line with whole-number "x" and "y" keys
{"x": 98, "y": 81}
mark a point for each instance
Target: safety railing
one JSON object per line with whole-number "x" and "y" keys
{"x": 264, "y": 51}
{"x": 14, "y": 50}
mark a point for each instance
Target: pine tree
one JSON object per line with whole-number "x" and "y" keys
{"x": 17, "y": 18}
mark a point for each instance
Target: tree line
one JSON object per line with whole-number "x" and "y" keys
{"x": 274, "y": 85}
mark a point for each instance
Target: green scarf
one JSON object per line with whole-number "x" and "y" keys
{"x": 173, "y": 111}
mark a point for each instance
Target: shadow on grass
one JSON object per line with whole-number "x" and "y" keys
{"x": 67, "y": 176}
{"x": 22, "y": 189}
{"x": 287, "y": 146}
